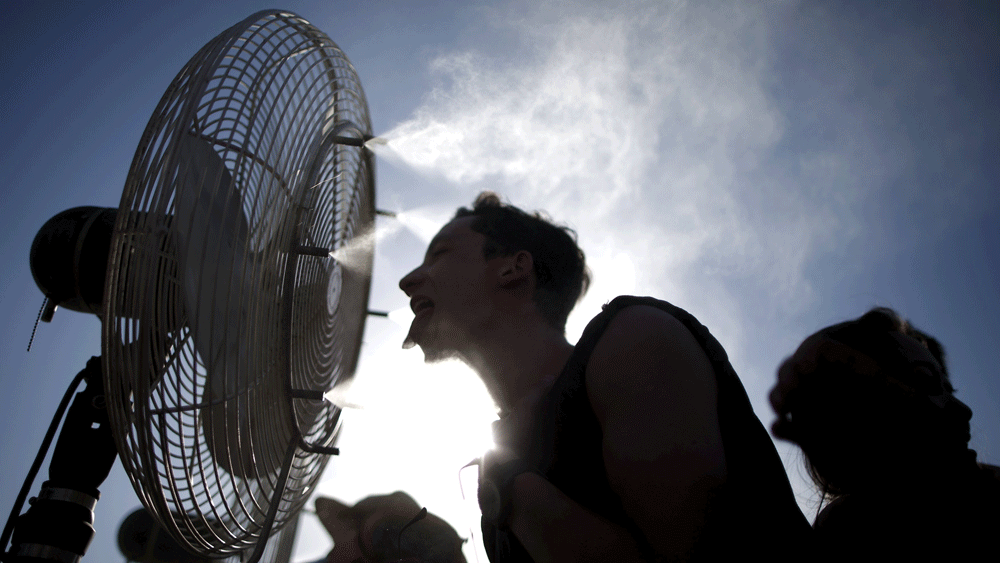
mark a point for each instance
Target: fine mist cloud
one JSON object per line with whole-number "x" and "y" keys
{"x": 665, "y": 135}
{"x": 739, "y": 161}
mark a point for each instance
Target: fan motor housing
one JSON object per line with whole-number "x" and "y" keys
{"x": 69, "y": 257}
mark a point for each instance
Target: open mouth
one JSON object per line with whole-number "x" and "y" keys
{"x": 421, "y": 307}
{"x": 421, "y": 304}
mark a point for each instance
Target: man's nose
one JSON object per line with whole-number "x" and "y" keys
{"x": 411, "y": 281}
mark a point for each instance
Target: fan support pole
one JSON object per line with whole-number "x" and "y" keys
{"x": 59, "y": 525}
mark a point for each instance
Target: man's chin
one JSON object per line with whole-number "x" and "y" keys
{"x": 435, "y": 355}
{"x": 432, "y": 354}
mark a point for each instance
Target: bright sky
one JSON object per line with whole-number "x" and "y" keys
{"x": 772, "y": 170}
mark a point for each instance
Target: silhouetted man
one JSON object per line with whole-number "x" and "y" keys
{"x": 638, "y": 443}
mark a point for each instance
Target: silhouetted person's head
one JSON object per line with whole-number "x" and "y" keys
{"x": 385, "y": 529}
{"x": 560, "y": 268}
{"x": 869, "y": 402}
{"x": 488, "y": 266}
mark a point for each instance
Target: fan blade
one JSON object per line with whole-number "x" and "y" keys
{"x": 212, "y": 234}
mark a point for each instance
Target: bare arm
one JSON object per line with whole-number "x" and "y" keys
{"x": 654, "y": 393}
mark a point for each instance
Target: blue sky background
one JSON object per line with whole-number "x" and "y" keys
{"x": 771, "y": 169}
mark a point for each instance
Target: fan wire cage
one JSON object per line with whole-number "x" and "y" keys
{"x": 238, "y": 282}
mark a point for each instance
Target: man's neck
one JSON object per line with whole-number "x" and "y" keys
{"x": 516, "y": 357}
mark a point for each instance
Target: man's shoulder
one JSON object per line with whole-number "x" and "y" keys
{"x": 642, "y": 317}
{"x": 645, "y": 346}
{"x": 642, "y": 322}
{"x": 626, "y": 313}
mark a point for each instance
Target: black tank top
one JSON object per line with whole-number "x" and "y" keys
{"x": 753, "y": 514}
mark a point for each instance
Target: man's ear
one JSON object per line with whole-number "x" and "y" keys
{"x": 517, "y": 268}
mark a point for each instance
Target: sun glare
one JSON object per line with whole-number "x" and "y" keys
{"x": 414, "y": 422}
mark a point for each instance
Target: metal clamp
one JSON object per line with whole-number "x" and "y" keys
{"x": 68, "y": 495}
{"x": 38, "y": 551}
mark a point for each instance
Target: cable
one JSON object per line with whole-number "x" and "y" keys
{"x": 38, "y": 318}
{"x": 29, "y": 479}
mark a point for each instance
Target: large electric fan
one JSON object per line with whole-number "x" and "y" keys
{"x": 237, "y": 282}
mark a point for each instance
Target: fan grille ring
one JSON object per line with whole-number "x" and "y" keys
{"x": 211, "y": 315}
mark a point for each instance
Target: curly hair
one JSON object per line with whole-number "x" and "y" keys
{"x": 849, "y": 421}
{"x": 561, "y": 274}
{"x": 872, "y": 334}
